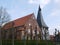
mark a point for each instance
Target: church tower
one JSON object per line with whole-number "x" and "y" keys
{"x": 42, "y": 25}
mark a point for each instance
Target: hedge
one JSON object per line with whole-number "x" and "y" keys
{"x": 27, "y": 42}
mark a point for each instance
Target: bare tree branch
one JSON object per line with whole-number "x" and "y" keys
{"x": 4, "y": 18}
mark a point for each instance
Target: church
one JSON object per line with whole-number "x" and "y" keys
{"x": 27, "y": 27}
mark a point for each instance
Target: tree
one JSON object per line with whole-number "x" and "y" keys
{"x": 4, "y": 18}
{"x": 57, "y": 37}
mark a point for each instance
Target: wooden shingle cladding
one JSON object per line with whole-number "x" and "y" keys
{"x": 23, "y": 28}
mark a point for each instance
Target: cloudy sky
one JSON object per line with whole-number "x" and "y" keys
{"x": 20, "y": 8}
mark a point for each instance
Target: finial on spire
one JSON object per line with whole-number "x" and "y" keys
{"x": 39, "y": 8}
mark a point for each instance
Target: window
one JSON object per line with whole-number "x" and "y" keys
{"x": 33, "y": 31}
{"x": 37, "y": 32}
{"x": 5, "y": 34}
{"x": 43, "y": 32}
{"x": 33, "y": 17}
{"x": 29, "y": 24}
{"x": 28, "y": 30}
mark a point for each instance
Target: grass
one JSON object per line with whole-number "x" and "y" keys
{"x": 26, "y": 42}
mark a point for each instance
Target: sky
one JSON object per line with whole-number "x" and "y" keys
{"x": 20, "y": 8}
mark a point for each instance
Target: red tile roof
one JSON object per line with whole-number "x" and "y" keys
{"x": 18, "y": 22}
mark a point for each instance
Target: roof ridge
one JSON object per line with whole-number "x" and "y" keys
{"x": 24, "y": 16}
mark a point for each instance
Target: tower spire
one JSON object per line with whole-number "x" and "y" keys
{"x": 40, "y": 19}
